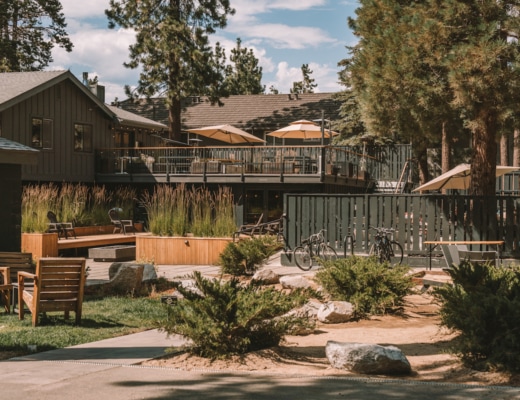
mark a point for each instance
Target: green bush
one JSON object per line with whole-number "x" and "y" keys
{"x": 372, "y": 287}
{"x": 483, "y": 304}
{"x": 227, "y": 318}
{"x": 246, "y": 256}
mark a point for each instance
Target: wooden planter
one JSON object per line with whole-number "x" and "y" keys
{"x": 40, "y": 244}
{"x": 164, "y": 250}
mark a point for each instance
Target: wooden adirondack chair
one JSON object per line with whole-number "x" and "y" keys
{"x": 58, "y": 286}
{"x": 5, "y": 288}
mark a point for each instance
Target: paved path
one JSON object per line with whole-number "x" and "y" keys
{"x": 110, "y": 369}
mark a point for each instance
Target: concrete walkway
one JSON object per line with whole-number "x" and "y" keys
{"x": 110, "y": 369}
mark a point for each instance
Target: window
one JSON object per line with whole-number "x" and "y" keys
{"x": 42, "y": 133}
{"x": 82, "y": 137}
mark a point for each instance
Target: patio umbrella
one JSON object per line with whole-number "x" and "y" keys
{"x": 459, "y": 178}
{"x": 227, "y": 133}
{"x": 302, "y": 129}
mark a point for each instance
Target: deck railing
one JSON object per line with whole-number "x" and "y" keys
{"x": 236, "y": 160}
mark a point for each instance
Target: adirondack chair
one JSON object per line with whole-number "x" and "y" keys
{"x": 120, "y": 225}
{"x": 62, "y": 228}
{"x": 5, "y": 288}
{"x": 58, "y": 286}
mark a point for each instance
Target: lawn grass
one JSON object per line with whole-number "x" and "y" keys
{"x": 102, "y": 318}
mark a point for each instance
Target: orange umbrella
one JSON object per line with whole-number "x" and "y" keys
{"x": 227, "y": 133}
{"x": 302, "y": 129}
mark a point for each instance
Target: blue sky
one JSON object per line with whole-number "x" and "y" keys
{"x": 284, "y": 34}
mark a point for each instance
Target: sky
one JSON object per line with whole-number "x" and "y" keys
{"x": 283, "y": 34}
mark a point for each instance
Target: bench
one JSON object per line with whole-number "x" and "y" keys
{"x": 17, "y": 262}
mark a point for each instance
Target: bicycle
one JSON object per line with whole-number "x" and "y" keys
{"x": 313, "y": 247}
{"x": 384, "y": 248}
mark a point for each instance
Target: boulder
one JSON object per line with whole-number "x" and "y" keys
{"x": 335, "y": 312}
{"x": 367, "y": 358}
{"x": 266, "y": 277}
{"x": 127, "y": 279}
{"x": 294, "y": 282}
{"x": 149, "y": 272}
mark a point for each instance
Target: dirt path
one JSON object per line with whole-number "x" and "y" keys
{"x": 417, "y": 333}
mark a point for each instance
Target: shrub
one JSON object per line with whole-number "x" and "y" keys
{"x": 372, "y": 287}
{"x": 224, "y": 318}
{"x": 483, "y": 304}
{"x": 246, "y": 256}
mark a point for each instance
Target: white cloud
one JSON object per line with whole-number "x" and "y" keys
{"x": 83, "y": 9}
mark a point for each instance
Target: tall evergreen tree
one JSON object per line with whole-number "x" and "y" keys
{"x": 244, "y": 75}
{"x": 29, "y": 29}
{"x": 172, "y": 46}
{"x": 306, "y": 85}
{"x": 420, "y": 66}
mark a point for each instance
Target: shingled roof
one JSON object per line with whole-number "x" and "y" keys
{"x": 253, "y": 113}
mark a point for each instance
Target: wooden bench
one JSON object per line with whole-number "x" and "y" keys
{"x": 17, "y": 262}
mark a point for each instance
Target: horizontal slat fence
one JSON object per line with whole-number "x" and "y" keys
{"x": 415, "y": 219}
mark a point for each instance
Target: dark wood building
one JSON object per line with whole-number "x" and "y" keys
{"x": 66, "y": 121}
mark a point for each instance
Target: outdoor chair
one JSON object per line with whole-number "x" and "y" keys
{"x": 120, "y": 225}
{"x": 62, "y": 228}
{"x": 5, "y": 288}
{"x": 454, "y": 254}
{"x": 57, "y": 285}
{"x": 250, "y": 229}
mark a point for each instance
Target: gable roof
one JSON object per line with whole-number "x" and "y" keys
{"x": 20, "y": 86}
{"x": 249, "y": 112}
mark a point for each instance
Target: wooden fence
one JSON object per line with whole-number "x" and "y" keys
{"x": 415, "y": 219}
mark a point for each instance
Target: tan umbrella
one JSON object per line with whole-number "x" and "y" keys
{"x": 227, "y": 133}
{"x": 459, "y": 178}
{"x": 302, "y": 129}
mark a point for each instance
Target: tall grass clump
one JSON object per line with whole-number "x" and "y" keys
{"x": 100, "y": 202}
{"x": 159, "y": 206}
{"x": 180, "y": 217}
{"x": 124, "y": 198}
{"x": 201, "y": 203}
{"x": 224, "y": 223}
{"x": 37, "y": 200}
{"x": 72, "y": 203}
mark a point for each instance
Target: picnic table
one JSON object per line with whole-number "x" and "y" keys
{"x": 434, "y": 243}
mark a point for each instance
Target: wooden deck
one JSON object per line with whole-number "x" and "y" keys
{"x": 97, "y": 240}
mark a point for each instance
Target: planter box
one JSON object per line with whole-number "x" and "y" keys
{"x": 165, "y": 250}
{"x": 112, "y": 253}
{"x": 40, "y": 244}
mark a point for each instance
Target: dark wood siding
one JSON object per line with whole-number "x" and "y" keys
{"x": 65, "y": 104}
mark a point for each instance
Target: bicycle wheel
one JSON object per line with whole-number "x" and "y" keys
{"x": 327, "y": 252}
{"x": 302, "y": 258}
{"x": 395, "y": 253}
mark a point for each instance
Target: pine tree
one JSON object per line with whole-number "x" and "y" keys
{"x": 29, "y": 29}
{"x": 244, "y": 75}
{"x": 172, "y": 47}
{"x": 306, "y": 85}
{"x": 432, "y": 67}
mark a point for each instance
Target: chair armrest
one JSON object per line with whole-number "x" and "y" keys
{"x": 127, "y": 222}
{"x": 67, "y": 225}
{"x": 5, "y": 272}
{"x": 22, "y": 275}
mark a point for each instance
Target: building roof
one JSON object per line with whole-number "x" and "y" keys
{"x": 16, "y": 153}
{"x": 127, "y": 118}
{"x": 253, "y": 113}
{"x": 19, "y": 86}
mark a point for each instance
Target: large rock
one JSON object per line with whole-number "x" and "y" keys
{"x": 335, "y": 312}
{"x": 294, "y": 282}
{"x": 367, "y": 358}
{"x": 149, "y": 272}
{"x": 265, "y": 277}
{"x": 127, "y": 279}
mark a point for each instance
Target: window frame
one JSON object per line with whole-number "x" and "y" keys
{"x": 82, "y": 136}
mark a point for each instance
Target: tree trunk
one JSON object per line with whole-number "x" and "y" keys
{"x": 174, "y": 119}
{"x": 516, "y": 148}
{"x": 484, "y": 157}
{"x": 504, "y": 149}
{"x": 445, "y": 150}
